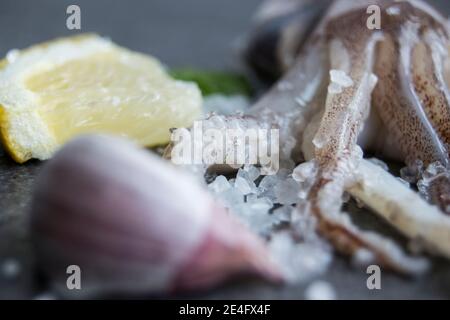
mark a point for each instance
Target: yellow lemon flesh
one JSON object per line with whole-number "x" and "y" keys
{"x": 54, "y": 91}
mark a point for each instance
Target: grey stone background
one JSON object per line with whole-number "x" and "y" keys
{"x": 180, "y": 32}
{"x": 199, "y": 33}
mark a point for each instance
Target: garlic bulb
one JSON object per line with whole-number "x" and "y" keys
{"x": 135, "y": 224}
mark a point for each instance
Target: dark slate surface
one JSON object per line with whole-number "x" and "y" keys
{"x": 189, "y": 32}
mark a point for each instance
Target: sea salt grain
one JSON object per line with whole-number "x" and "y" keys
{"x": 300, "y": 261}
{"x": 243, "y": 185}
{"x": 422, "y": 187}
{"x": 286, "y": 192}
{"x": 393, "y": 11}
{"x": 266, "y": 187}
{"x": 283, "y": 213}
{"x": 320, "y": 290}
{"x": 253, "y": 172}
{"x": 304, "y": 224}
{"x": 249, "y": 175}
{"x": 232, "y": 198}
{"x": 255, "y": 214}
{"x": 297, "y": 247}
{"x": 363, "y": 258}
{"x": 412, "y": 173}
{"x": 10, "y": 268}
{"x": 265, "y": 205}
{"x": 220, "y": 185}
{"x": 12, "y": 55}
{"x": 433, "y": 170}
{"x": 262, "y": 202}
{"x": 304, "y": 171}
{"x": 339, "y": 80}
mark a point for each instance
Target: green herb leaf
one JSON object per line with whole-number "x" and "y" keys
{"x": 214, "y": 82}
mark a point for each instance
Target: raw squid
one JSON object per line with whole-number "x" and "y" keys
{"x": 351, "y": 88}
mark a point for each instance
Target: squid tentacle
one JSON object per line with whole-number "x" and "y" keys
{"x": 326, "y": 126}
{"x": 402, "y": 207}
{"x": 336, "y": 151}
{"x": 412, "y": 97}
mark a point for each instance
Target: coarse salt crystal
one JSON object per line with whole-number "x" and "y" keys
{"x": 252, "y": 171}
{"x": 341, "y": 78}
{"x": 12, "y": 55}
{"x": 220, "y": 185}
{"x": 363, "y": 258}
{"x": 10, "y": 268}
{"x": 242, "y": 184}
{"x": 320, "y": 290}
{"x": 393, "y": 11}
{"x": 283, "y": 213}
{"x": 304, "y": 171}
{"x": 287, "y": 191}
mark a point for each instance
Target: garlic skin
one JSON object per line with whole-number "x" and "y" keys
{"x": 134, "y": 224}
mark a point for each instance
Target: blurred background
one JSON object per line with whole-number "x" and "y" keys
{"x": 199, "y": 33}
{"x": 188, "y": 32}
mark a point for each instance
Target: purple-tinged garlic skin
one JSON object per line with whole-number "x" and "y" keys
{"x": 134, "y": 224}
{"x": 228, "y": 248}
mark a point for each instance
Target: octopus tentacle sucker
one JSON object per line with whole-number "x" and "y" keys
{"x": 350, "y": 89}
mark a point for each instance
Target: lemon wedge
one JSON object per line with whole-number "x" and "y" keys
{"x": 54, "y": 91}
